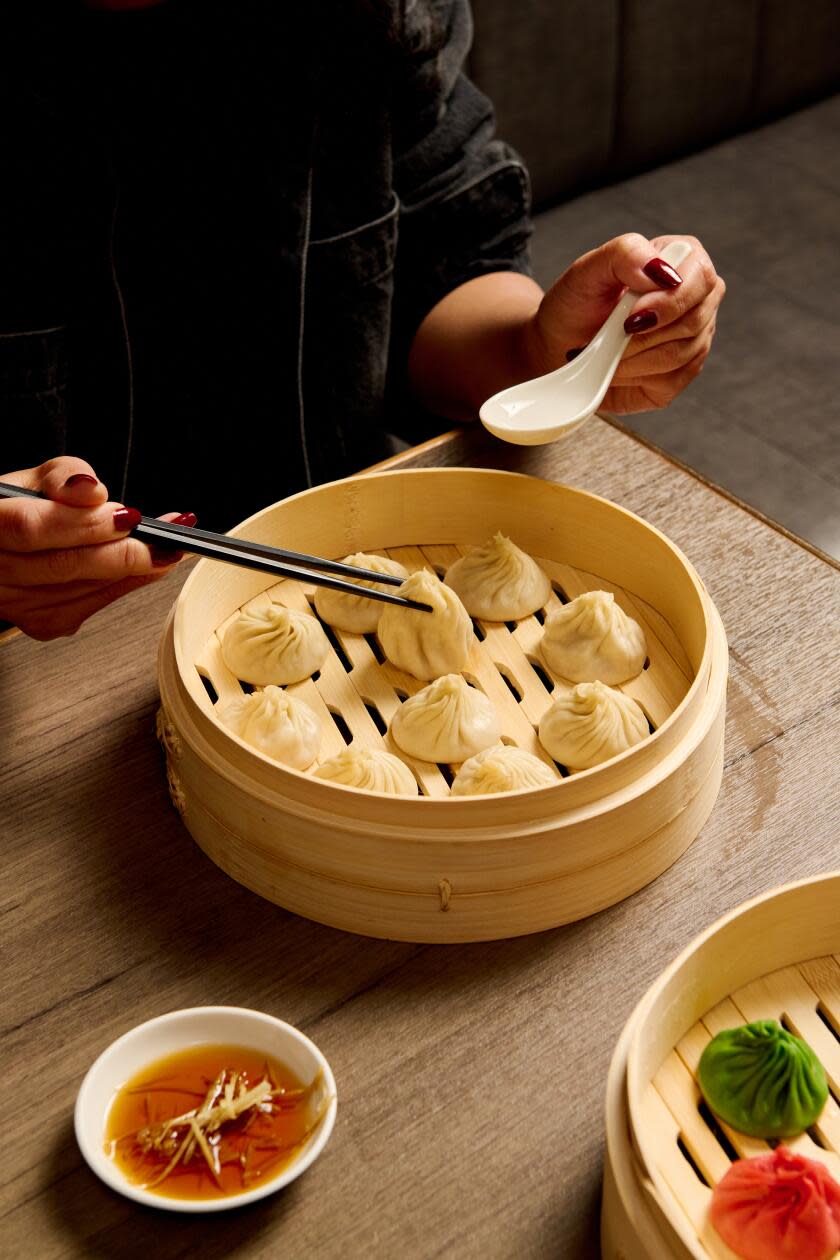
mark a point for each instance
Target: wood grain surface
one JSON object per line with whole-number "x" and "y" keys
{"x": 470, "y": 1078}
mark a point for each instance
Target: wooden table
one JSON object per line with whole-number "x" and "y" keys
{"x": 470, "y": 1078}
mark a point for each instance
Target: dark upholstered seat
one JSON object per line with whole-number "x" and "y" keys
{"x": 612, "y": 139}
{"x": 767, "y": 206}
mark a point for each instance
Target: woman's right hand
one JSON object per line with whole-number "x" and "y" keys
{"x": 64, "y": 557}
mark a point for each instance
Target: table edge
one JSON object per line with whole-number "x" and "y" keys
{"x": 394, "y": 461}
{"x": 805, "y": 543}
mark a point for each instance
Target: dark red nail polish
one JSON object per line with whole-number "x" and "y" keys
{"x": 640, "y": 322}
{"x": 186, "y": 518}
{"x": 662, "y": 273}
{"x": 573, "y": 354}
{"x": 79, "y": 479}
{"x": 126, "y": 518}
{"x": 162, "y": 556}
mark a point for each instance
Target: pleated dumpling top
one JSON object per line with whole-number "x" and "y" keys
{"x": 781, "y": 1206}
{"x": 502, "y": 768}
{"x": 274, "y": 645}
{"x": 356, "y": 613}
{"x": 371, "y": 769}
{"x": 592, "y": 638}
{"x": 498, "y": 581}
{"x": 426, "y": 645}
{"x": 446, "y": 722}
{"x": 281, "y": 726}
{"x": 590, "y": 724}
{"x": 763, "y": 1080}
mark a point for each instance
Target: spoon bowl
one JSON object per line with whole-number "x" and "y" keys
{"x": 553, "y": 406}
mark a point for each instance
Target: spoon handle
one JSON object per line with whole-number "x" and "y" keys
{"x": 611, "y": 333}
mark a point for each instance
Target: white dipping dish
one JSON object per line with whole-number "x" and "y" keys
{"x": 180, "y": 1030}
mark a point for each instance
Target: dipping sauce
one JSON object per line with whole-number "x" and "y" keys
{"x": 211, "y": 1121}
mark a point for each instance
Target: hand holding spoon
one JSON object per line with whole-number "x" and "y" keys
{"x": 552, "y": 406}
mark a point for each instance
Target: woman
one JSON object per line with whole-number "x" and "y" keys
{"x": 247, "y": 241}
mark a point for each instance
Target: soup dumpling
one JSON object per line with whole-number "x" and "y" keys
{"x": 274, "y": 645}
{"x": 276, "y": 724}
{"x": 355, "y": 613}
{"x": 763, "y": 1080}
{"x": 778, "y": 1206}
{"x": 372, "y": 769}
{"x": 447, "y": 721}
{"x": 593, "y": 638}
{"x": 502, "y": 768}
{"x": 426, "y": 645}
{"x": 498, "y": 581}
{"x": 590, "y": 724}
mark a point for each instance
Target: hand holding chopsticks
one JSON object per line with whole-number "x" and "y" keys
{"x": 253, "y": 555}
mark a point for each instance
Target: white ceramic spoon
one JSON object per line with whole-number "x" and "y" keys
{"x": 552, "y": 406}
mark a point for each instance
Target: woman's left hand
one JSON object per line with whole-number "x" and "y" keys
{"x": 672, "y": 324}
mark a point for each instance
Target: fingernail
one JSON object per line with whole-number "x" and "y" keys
{"x": 126, "y": 518}
{"x": 186, "y": 518}
{"x": 662, "y": 273}
{"x": 79, "y": 479}
{"x": 573, "y": 354}
{"x": 640, "y": 322}
{"x": 162, "y": 556}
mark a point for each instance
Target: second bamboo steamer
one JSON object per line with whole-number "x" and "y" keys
{"x": 437, "y": 868}
{"x": 776, "y": 957}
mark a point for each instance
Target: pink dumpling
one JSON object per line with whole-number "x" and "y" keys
{"x": 780, "y": 1206}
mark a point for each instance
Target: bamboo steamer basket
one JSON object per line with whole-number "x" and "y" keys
{"x": 776, "y": 957}
{"x": 436, "y": 868}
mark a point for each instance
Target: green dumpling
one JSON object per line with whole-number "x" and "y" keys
{"x": 763, "y": 1080}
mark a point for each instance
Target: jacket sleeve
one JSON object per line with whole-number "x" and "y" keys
{"x": 464, "y": 195}
{"x": 39, "y": 186}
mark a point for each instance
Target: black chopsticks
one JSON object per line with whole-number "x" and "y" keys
{"x": 253, "y": 555}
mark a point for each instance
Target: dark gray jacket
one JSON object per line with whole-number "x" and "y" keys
{"x": 226, "y": 223}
